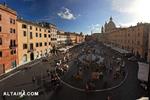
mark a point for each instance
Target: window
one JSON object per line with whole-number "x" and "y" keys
{"x": 0, "y": 29}
{"x": 14, "y": 43}
{"x": 1, "y": 54}
{"x": 0, "y": 41}
{"x": 45, "y": 44}
{"x": 24, "y": 26}
{"x": 40, "y": 29}
{"x": 11, "y": 43}
{"x": 49, "y": 35}
{"x": 14, "y": 21}
{"x": 40, "y": 43}
{"x": 30, "y": 27}
{"x": 45, "y": 35}
{"x": 31, "y": 46}
{"x": 40, "y": 35}
{"x": 11, "y": 52}
{"x": 11, "y": 20}
{"x": 53, "y": 39}
{"x": 24, "y": 57}
{"x": 49, "y": 43}
{"x": 37, "y": 54}
{"x": 36, "y": 34}
{"x": 36, "y": 28}
{"x": 31, "y": 36}
{"x": 24, "y": 46}
{"x": 14, "y": 30}
{"x": 45, "y": 30}
{"x": 14, "y": 51}
{"x": 24, "y": 33}
{"x": 49, "y": 31}
{"x": 37, "y": 44}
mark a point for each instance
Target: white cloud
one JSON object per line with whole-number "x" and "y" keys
{"x": 122, "y": 5}
{"x": 66, "y": 14}
{"x": 94, "y": 28}
{"x": 135, "y": 10}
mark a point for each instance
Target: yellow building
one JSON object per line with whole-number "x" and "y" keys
{"x": 34, "y": 40}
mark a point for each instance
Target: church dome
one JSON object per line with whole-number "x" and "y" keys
{"x": 111, "y": 25}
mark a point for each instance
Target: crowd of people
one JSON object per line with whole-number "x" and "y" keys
{"x": 112, "y": 67}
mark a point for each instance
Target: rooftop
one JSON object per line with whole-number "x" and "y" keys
{"x": 39, "y": 24}
{"x": 6, "y": 8}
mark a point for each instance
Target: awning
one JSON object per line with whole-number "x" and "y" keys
{"x": 143, "y": 98}
{"x": 117, "y": 49}
{"x": 120, "y": 50}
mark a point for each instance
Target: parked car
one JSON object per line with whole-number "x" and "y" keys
{"x": 133, "y": 58}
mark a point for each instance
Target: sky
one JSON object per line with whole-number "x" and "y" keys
{"x": 82, "y": 15}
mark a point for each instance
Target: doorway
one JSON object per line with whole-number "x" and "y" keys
{"x": 31, "y": 56}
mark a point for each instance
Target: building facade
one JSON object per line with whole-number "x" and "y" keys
{"x": 67, "y": 38}
{"x": 8, "y": 39}
{"x": 74, "y": 38}
{"x": 34, "y": 40}
{"x": 61, "y": 38}
{"x": 22, "y": 41}
{"x": 134, "y": 38}
{"x": 53, "y": 34}
{"x": 80, "y": 38}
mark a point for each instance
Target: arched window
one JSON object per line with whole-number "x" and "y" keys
{"x": 0, "y": 41}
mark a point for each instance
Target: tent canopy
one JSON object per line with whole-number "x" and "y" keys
{"x": 143, "y": 71}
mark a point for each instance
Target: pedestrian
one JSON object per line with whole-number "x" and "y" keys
{"x": 87, "y": 87}
{"x": 48, "y": 72}
{"x": 33, "y": 79}
{"x": 109, "y": 98}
